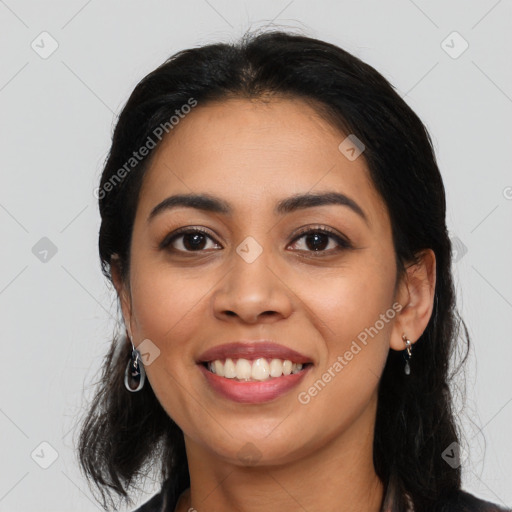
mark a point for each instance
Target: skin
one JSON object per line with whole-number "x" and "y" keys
{"x": 315, "y": 456}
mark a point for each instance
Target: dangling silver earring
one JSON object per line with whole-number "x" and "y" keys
{"x": 407, "y": 354}
{"x": 134, "y": 375}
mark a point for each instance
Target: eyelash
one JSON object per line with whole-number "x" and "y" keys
{"x": 342, "y": 243}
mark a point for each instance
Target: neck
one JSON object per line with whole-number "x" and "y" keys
{"x": 339, "y": 477}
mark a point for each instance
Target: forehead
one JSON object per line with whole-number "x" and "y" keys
{"x": 253, "y": 153}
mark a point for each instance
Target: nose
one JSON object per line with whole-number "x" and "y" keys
{"x": 252, "y": 292}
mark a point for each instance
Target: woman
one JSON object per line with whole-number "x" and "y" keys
{"x": 273, "y": 221}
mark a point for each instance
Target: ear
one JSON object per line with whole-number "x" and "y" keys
{"x": 416, "y": 296}
{"x": 123, "y": 292}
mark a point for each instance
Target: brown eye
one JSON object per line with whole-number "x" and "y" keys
{"x": 188, "y": 240}
{"x": 321, "y": 240}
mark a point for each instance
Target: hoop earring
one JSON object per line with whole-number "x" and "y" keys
{"x": 134, "y": 375}
{"x": 407, "y": 354}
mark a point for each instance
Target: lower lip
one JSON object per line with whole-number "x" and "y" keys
{"x": 253, "y": 392}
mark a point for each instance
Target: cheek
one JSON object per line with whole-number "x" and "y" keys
{"x": 354, "y": 315}
{"x": 353, "y": 299}
{"x": 168, "y": 310}
{"x": 164, "y": 302}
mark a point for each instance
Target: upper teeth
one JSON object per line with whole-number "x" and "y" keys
{"x": 259, "y": 369}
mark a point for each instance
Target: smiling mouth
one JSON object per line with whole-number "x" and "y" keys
{"x": 255, "y": 370}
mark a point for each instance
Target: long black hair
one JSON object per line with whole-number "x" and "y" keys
{"x": 123, "y": 434}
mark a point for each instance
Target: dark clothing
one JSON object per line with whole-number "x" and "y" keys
{"x": 165, "y": 501}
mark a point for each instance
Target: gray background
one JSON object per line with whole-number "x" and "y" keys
{"x": 57, "y": 314}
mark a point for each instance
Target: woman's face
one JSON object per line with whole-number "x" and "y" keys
{"x": 251, "y": 275}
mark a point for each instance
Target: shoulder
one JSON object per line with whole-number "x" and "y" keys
{"x": 166, "y": 500}
{"x": 465, "y": 502}
{"x": 155, "y": 504}
{"x": 158, "y": 503}
{"x": 459, "y": 502}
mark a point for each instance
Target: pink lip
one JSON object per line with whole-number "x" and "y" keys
{"x": 251, "y": 351}
{"x": 252, "y": 392}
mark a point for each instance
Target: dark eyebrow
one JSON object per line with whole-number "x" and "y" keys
{"x": 309, "y": 200}
{"x": 199, "y": 201}
{"x": 291, "y": 204}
